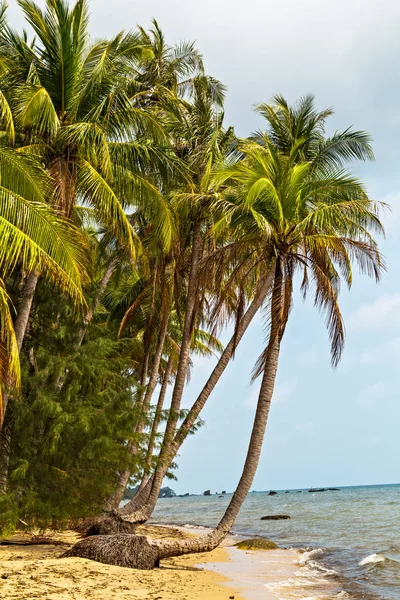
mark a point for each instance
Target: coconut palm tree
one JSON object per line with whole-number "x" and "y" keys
{"x": 72, "y": 106}
{"x": 298, "y": 219}
{"x": 34, "y": 238}
{"x": 299, "y": 131}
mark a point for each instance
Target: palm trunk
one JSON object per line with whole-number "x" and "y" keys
{"x": 20, "y": 327}
{"x": 154, "y": 428}
{"x": 213, "y": 539}
{"x": 146, "y": 506}
{"x": 87, "y": 319}
{"x": 115, "y": 500}
{"x": 138, "y": 552}
{"x": 21, "y": 322}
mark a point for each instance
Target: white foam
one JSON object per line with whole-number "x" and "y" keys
{"x": 372, "y": 559}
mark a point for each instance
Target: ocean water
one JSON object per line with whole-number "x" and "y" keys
{"x": 349, "y": 537}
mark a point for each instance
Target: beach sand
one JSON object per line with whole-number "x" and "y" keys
{"x": 35, "y": 572}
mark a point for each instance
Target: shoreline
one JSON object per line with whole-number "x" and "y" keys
{"x": 35, "y": 572}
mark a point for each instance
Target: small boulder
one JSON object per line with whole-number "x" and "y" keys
{"x": 275, "y": 517}
{"x": 207, "y": 493}
{"x": 256, "y": 544}
{"x": 272, "y": 493}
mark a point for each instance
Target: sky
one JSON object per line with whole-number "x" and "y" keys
{"x": 326, "y": 427}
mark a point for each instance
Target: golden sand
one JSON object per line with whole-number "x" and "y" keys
{"x": 35, "y": 571}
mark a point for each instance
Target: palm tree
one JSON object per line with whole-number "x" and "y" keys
{"x": 34, "y": 238}
{"x": 298, "y": 131}
{"x": 298, "y": 219}
{"x": 72, "y": 106}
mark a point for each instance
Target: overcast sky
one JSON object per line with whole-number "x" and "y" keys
{"x": 326, "y": 427}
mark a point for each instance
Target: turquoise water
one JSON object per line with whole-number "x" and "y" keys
{"x": 351, "y": 536}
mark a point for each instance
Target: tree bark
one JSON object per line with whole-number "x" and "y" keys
{"x": 21, "y": 322}
{"x": 146, "y": 506}
{"x": 154, "y": 428}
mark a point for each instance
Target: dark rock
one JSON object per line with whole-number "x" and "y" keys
{"x": 272, "y": 493}
{"x": 299, "y": 491}
{"x": 207, "y": 493}
{"x": 223, "y": 492}
{"x": 256, "y": 544}
{"x": 166, "y": 492}
{"x": 317, "y": 490}
{"x": 275, "y": 517}
{"x": 220, "y": 496}
{"x": 334, "y": 489}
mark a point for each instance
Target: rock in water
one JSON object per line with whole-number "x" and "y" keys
{"x": 166, "y": 492}
{"x": 256, "y": 544}
{"x": 122, "y": 550}
{"x": 275, "y": 517}
{"x": 272, "y": 493}
{"x": 207, "y": 493}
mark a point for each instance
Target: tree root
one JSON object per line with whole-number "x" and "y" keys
{"x": 123, "y": 550}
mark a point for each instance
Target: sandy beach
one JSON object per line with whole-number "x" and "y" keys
{"x": 35, "y": 571}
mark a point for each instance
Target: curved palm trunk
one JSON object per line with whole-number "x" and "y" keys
{"x": 213, "y": 539}
{"x": 138, "y": 552}
{"x": 145, "y": 399}
{"x": 156, "y": 422}
{"x": 115, "y": 500}
{"x": 144, "y": 503}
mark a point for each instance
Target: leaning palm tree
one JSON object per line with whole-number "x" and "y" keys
{"x": 296, "y": 219}
{"x": 299, "y": 131}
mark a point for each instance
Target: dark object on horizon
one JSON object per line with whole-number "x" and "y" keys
{"x": 317, "y": 490}
{"x": 287, "y": 492}
{"x": 130, "y": 492}
{"x": 272, "y": 493}
{"x": 166, "y": 492}
{"x": 299, "y": 491}
{"x": 207, "y": 493}
{"x": 223, "y": 492}
{"x": 333, "y": 489}
{"x": 275, "y": 517}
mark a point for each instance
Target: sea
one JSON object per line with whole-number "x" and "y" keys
{"x": 348, "y": 538}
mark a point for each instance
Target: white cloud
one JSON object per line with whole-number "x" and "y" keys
{"x": 383, "y": 312}
{"x": 369, "y": 396}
